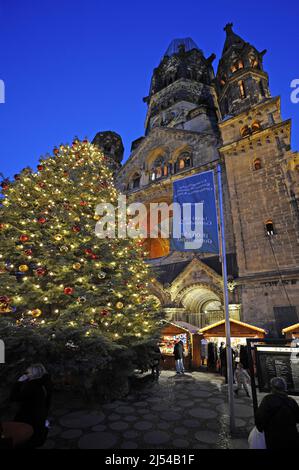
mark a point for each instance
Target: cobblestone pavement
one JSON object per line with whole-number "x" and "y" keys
{"x": 178, "y": 412}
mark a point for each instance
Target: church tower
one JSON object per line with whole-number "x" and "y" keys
{"x": 241, "y": 80}
{"x": 257, "y": 155}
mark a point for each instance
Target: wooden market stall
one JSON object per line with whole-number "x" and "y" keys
{"x": 191, "y": 340}
{"x": 238, "y": 329}
{"x": 291, "y": 332}
{"x": 214, "y": 336}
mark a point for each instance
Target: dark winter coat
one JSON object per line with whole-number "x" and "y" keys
{"x": 277, "y": 416}
{"x": 178, "y": 350}
{"x": 34, "y": 397}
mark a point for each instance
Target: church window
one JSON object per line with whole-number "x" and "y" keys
{"x": 257, "y": 164}
{"x": 136, "y": 181}
{"x": 269, "y": 227}
{"x": 256, "y": 126}
{"x": 184, "y": 161}
{"x": 237, "y": 66}
{"x": 159, "y": 169}
{"x": 262, "y": 90}
{"x": 253, "y": 61}
{"x": 245, "y": 130}
{"x": 242, "y": 89}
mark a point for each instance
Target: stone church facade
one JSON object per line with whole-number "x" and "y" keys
{"x": 196, "y": 119}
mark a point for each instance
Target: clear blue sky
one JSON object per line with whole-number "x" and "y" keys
{"x": 75, "y": 67}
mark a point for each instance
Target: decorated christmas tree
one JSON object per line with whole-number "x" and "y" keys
{"x": 59, "y": 281}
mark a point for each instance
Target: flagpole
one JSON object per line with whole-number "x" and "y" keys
{"x": 229, "y": 361}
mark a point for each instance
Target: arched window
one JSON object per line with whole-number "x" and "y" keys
{"x": 257, "y": 164}
{"x": 261, "y": 86}
{"x": 242, "y": 90}
{"x": 159, "y": 169}
{"x": 184, "y": 161}
{"x": 253, "y": 61}
{"x": 269, "y": 227}
{"x": 244, "y": 131}
{"x": 256, "y": 126}
{"x": 136, "y": 181}
{"x": 237, "y": 66}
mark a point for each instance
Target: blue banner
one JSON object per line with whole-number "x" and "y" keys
{"x": 195, "y": 225}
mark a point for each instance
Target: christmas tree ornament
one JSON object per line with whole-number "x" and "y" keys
{"x": 76, "y": 228}
{"x": 56, "y": 151}
{"x": 88, "y": 251}
{"x": 77, "y": 266}
{"x": 40, "y": 272}
{"x": 36, "y": 312}
{"x": 24, "y": 238}
{"x": 64, "y": 249}
{"x": 68, "y": 290}
{"x": 4, "y": 186}
{"x": 81, "y": 299}
{"x": 28, "y": 252}
{"x": 24, "y": 204}
{"x": 23, "y": 268}
{"x": 58, "y": 237}
{"x": 42, "y": 220}
{"x": 4, "y": 299}
{"x": 104, "y": 312}
{"x": 40, "y": 167}
{"x": 119, "y": 305}
{"x": 101, "y": 275}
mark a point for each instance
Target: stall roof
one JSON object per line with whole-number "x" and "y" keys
{"x": 291, "y": 328}
{"x": 232, "y": 322}
{"x": 184, "y": 325}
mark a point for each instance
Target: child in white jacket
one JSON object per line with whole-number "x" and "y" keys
{"x": 242, "y": 379}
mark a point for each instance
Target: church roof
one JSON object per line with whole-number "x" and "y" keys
{"x": 232, "y": 39}
{"x": 173, "y": 47}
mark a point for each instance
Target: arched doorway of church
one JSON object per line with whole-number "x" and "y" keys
{"x": 202, "y": 305}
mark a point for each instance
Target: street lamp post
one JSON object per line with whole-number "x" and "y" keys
{"x": 229, "y": 361}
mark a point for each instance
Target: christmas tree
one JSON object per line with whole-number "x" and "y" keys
{"x": 59, "y": 281}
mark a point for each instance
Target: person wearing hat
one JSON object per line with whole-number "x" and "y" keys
{"x": 277, "y": 416}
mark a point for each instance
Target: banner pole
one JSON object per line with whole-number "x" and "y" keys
{"x": 229, "y": 361}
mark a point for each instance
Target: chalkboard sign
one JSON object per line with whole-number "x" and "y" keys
{"x": 277, "y": 362}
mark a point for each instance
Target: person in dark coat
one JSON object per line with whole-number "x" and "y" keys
{"x": 178, "y": 352}
{"x": 33, "y": 391}
{"x": 277, "y": 417}
{"x": 157, "y": 357}
{"x": 223, "y": 359}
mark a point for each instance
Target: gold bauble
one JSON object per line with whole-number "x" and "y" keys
{"x": 58, "y": 237}
{"x": 77, "y": 266}
{"x": 119, "y": 305}
{"x": 23, "y": 268}
{"x": 36, "y": 313}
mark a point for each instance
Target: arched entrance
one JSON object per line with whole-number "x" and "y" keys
{"x": 202, "y": 304}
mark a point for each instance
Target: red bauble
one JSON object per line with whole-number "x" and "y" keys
{"x": 85, "y": 141}
{"x": 88, "y": 251}
{"x": 94, "y": 256}
{"x": 40, "y": 167}
{"x": 56, "y": 151}
{"x": 28, "y": 252}
{"x": 68, "y": 290}
{"x": 4, "y": 186}
{"x": 83, "y": 203}
{"x": 76, "y": 228}
{"x": 42, "y": 220}
{"x": 4, "y": 299}
{"x": 41, "y": 185}
{"x": 40, "y": 272}
{"x": 104, "y": 312}
{"x": 24, "y": 238}
{"x": 2, "y": 226}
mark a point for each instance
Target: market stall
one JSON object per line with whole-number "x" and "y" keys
{"x": 214, "y": 335}
{"x": 188, "y": 334}
{"x": 291, "y": 332}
